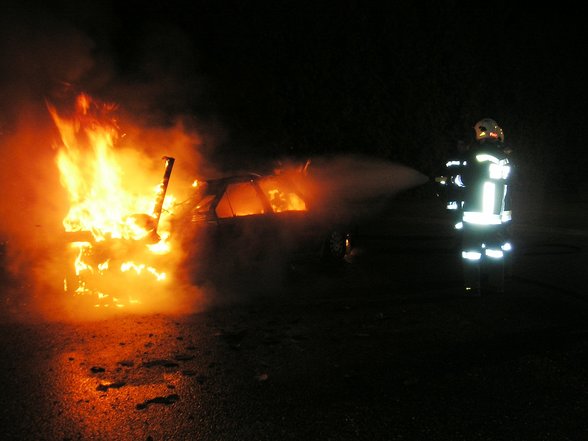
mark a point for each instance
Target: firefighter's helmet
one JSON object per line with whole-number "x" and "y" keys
{"x": 487, "y": 128}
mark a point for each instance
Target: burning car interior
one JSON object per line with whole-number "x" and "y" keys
{"x": 244, "y": 219}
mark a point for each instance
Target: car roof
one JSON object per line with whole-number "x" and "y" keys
{"x": 233, "y": 178}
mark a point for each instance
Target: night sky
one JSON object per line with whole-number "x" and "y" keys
{"x": 399, "y": 80}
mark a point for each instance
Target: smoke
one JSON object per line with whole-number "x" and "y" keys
{"x": 38, "y": 51}
{"x": 350, "y": 187}
{"x": 37, "y": 55}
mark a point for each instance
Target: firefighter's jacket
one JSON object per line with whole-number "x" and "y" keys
{"x": 480, "y": 182}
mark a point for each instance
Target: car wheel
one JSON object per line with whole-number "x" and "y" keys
{"x": 335, "y": 245}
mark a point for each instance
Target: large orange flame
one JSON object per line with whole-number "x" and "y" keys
{"x": 113, "y": 232}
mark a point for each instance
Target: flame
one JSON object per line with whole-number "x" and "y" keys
{"x": 281, "y": 195}
{"x": 281, "y": 201}
{"x": 123, "y": 231}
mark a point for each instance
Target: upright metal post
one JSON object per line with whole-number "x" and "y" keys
{"x": 169, "y": 163}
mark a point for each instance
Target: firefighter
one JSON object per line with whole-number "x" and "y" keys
{"x": 482, "y": 179}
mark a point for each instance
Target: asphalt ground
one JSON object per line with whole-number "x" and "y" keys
{"x": 385, "y": 347}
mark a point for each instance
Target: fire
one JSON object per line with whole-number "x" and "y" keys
{"x": 281, "y": 196}
{"x": 282, "y": 201}
{"x": 113, "y": 232}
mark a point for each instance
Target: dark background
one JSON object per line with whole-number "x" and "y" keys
{"x": 401, "y": 80}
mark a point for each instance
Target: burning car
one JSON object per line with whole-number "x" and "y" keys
{"x": 229, "y": 226}
{"x": 242, "y": 220}
{"x": 129, "y": 242}
{"x": 126, "y": 245}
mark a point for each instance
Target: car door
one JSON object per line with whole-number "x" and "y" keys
{"x": 245, "y": 220}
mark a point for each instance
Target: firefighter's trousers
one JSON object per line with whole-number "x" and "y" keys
{"x": 485, "y": 252}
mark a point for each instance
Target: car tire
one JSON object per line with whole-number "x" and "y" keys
{"x": 335, "y": 246}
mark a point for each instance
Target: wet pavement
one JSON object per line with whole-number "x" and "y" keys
{"x": 385, "y": 347}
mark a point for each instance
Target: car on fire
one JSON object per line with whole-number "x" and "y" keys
{"x": 247, "y": 218}
{"x": 244, "y": 225}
